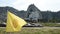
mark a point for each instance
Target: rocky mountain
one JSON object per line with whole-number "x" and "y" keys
{"x": 32, "y": 13}
{"x": 3, "y": 12}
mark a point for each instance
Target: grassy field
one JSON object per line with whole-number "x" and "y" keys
{"x": 51, "y": 24}
{"x": 34, "y": 30}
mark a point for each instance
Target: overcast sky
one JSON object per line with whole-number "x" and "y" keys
{"x": 53, "y": 5}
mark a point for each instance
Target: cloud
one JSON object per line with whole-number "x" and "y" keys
{"x": 23, "y": 4}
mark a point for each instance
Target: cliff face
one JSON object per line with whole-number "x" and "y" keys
{"x": 33, "y": 12}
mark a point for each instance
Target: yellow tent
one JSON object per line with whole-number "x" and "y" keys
{"x": 14, "y": 23}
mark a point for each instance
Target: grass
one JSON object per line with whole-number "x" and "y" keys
{"x": 28, "y": 30}
{"x": 51, "y": 24}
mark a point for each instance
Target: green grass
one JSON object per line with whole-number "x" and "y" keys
{"x": 51, "y": 24}
{"x": 42, "y": 30}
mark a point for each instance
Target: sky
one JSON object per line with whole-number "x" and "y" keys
{"x": 44, "y": 5}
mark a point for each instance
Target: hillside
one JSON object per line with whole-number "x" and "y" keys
{"x": 32, "y": 13}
